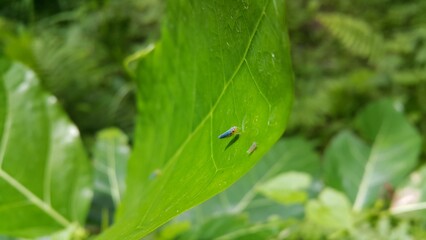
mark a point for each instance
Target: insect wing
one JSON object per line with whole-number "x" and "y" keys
{"x": 226, "y": 134}
{"x": 252, "y": 148}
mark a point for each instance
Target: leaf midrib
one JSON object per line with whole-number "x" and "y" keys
{"x": 369, "y": 167}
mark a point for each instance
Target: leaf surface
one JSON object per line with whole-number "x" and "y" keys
{"x": 287, "y": 188}
{"x": 219, "y": 64}
{"x": 362, "y": 170}
{"x": 332, "y": 210}
{"x": 111, "y": 153}
{"x": 45, "y": 176}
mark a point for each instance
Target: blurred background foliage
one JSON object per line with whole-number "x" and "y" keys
{"x": 78, "y": 48}
{"x": 346, "y": 54}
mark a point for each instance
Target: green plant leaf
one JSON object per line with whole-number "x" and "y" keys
{"x": 45, "y": 176}
{"x": 360, "y": 170}
{"x": 332, "y": 210}
{"x": 174, "y": 230}
{"x": 110, "y": 161}
{"x": 287, "y": 188}
{"x": 219, "y": 64}
{"x": 345, "y": 160}
{"x": 110, "y": 155}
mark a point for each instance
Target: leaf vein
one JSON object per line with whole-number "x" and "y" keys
{"x": 5, "y": 138}
{"x": 258, "y": 88}
{"x": 34, "y": 199}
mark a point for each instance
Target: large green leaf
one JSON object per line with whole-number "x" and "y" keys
{"x": 45, "y": 177}
{"x": 219, "y": 64}
{"x": 361, "y": 170}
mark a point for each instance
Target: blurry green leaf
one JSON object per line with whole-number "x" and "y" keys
{"x": 355, "y": 34}
{"x": 421, "y": 55}
{"x": 360, "y": 170}
{"x": 287, "y": 188}
{"x": 410, "y": 77}
{"x": 401, "y": 42}
{"x": 227, "y": 227}
{"x": 110, "y": 162}
{"x": 268, "y": 230}
{"x": 217, "y": 227}
{"x": 172, "y": 231}
{"x": 383, "y": 228}
{"x": 45, "y": 177}
{"x": 72, "y": 232}
{"x": 110, "y": 155}
{"x": 331, "y": 211}
{"x": 17, "y": 45}
{"x": 345, "y": 160}
{"x": 219, "y": 64}
{"x": 6, "y": 238}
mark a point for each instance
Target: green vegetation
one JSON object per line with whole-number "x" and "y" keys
{"x": 110, "y": 112}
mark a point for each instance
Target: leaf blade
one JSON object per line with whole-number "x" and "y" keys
{"x": 213, "y": 86}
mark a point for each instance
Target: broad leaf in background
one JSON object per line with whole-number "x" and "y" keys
{"x": 287, "y": 188}
{"x": 219, "y": 64}
{"x": 110, "y": 161}
{"x": 332, "y": 210}
{"x": 345, "y": 160}
{"x": 360, "y": 170}
{"x": 42, "y": 189}
{"x": 110, "y": 155}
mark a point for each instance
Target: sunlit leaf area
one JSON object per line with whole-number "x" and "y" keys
{"x": 219, "y": 119}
